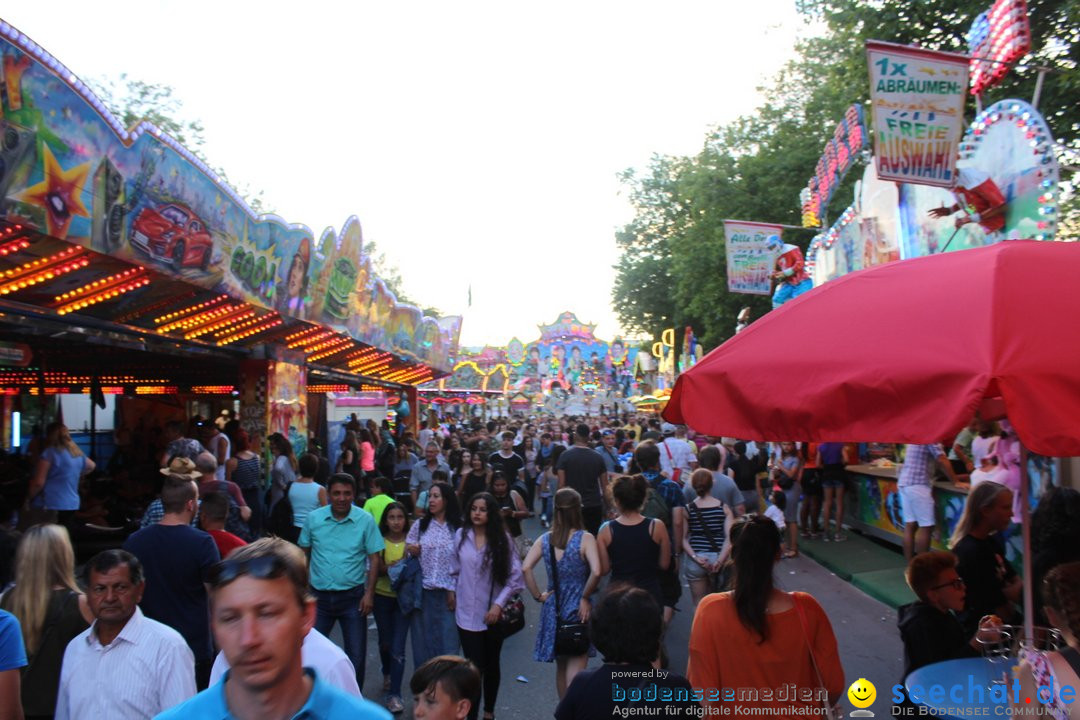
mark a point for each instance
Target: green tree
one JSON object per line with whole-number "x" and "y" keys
{"x": 672, "y": 267}
{"x": 132, "y": 101}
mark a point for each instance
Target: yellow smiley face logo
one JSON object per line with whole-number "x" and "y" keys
{"x": 862, "y": 693}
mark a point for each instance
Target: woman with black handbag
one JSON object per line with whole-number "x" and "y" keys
{"x": 488, "y": 607}
{"x": 573, "y": 568}
{"x": 706, "y": 540}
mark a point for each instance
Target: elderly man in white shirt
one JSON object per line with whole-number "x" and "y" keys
{"x": 125, "y": 666}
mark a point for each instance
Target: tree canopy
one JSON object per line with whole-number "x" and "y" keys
{"x": 671, "y": 271}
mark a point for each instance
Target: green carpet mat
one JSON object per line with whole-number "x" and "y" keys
{"x": 872, "y": 567}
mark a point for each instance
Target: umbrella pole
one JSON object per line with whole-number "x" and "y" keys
{"x": 947, "y": 244}
{"x": 1025, "y": 531}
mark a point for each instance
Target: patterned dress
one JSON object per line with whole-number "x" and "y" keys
{"x": 573, "y": 574}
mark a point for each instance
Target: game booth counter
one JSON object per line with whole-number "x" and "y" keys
{"x": 128, "y": 269}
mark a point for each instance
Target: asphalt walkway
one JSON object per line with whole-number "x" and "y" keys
{"x": 865, "y": 628}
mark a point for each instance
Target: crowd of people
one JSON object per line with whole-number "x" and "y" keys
{"x": 223, "y": 601}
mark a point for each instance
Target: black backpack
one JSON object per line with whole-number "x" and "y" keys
{"x": 281, "y": 519}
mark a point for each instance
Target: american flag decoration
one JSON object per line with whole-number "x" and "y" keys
{"x": 998, "y": 38}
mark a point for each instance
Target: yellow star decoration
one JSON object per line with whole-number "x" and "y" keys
{"x": 59, "y": 194}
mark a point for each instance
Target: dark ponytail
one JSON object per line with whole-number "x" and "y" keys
{"x": 755, "y": 543}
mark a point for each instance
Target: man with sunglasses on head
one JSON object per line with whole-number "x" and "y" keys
{"x": 260, "y": 613}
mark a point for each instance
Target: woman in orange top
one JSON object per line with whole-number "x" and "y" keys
{"x": 757, "y": 646}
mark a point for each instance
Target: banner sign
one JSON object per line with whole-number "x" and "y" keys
{"x": 998, "y": 38}
{"x": 840, "y": 154}
{"x": 749, "y": 262}
{"x": 70, "y": 170}
{"x": 918, "y": 100}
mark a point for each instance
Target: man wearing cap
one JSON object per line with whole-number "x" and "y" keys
{"x": 179, "y": 467}
{"x": 677, "y": 460}
{"x": 177, "y": 559}
{"x": 792, "y": 280}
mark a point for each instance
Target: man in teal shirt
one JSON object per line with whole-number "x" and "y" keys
{"x": 260, "y": 613}
{"x": 342, "y": 541}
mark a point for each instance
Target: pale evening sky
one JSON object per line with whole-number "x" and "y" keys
{"x": 478, "y": 142}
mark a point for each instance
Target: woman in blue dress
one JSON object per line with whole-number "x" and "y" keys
{"x": 579, "y": 572}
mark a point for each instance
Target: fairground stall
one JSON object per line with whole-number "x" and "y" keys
{"x": 944, "y": 166}
{"x": 134, "y": 278}
{"x": 566, "y": 371}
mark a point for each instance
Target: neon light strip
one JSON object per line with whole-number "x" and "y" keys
{"x": 189, "y": 310}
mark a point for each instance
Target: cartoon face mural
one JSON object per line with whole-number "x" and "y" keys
{"x": 70, "y": 170}
{"x": 567, "y": 361}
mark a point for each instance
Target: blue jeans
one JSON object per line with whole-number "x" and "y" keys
{"x": 434, "y": 629}
{"x": 344, "y": 606}
{"x": 393, "y": 628}
{"x": 786, "y": 291}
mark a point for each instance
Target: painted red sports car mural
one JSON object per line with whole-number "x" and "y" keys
{"x": 173, "y": 233}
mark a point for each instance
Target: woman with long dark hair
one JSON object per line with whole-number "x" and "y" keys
{"x": 349, "y": 460}
{"x": 283, "y": 471}
{"x": 431, "y": 539}
{"x": 578, "y": 564}
{"x": 783, "y": 637}
{"x": 392, "y": 623}
{"x": 1056, "y": 669}
{"x": 487, "y": 572}
{"x": 512, "y": 507}
{"x": 245, "y": 469}
{"x": 474, "y": 479}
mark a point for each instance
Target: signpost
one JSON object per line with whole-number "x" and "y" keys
{"x": 918, "y": 106}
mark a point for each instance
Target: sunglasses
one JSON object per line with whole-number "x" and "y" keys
{"x": 265, "y": 567}
{"x": 957, "y": 584}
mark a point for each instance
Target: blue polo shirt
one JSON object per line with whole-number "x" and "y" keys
{"x": 326, "y": 702}
{"x": 340, "y": 548}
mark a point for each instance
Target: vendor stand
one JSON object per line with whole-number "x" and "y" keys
{"x": 128, "y": 268}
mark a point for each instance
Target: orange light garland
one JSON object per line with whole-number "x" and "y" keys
{"x": 224, "y": 322}
{"x": 253, "y": 330}
{"x": 44, "y": 269}
{"x": 107, "y": 289}
{"x": 189, "y": 310}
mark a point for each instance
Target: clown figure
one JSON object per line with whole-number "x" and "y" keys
{"x": 791, "y": 277}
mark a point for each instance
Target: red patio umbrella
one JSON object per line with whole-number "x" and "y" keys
{"x": 907, "y": 352}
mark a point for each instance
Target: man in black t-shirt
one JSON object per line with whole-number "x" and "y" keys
{"x": 176, "y": 560}
{"x": 583, "y": 469}
{"x": 509, "y": 462}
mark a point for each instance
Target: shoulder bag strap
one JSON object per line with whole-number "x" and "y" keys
{"x": 1072, "y": 657}
{"x": 708, "y": 530}
{"x": 555, "y": 575}
{"x": 813, "y": 660}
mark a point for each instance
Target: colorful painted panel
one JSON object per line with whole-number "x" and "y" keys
{"x": 567, "y": 366}
{"x": 71, "y": 171}
{"x": 1011, "y": 142}
{"x": 287, "y": 399}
